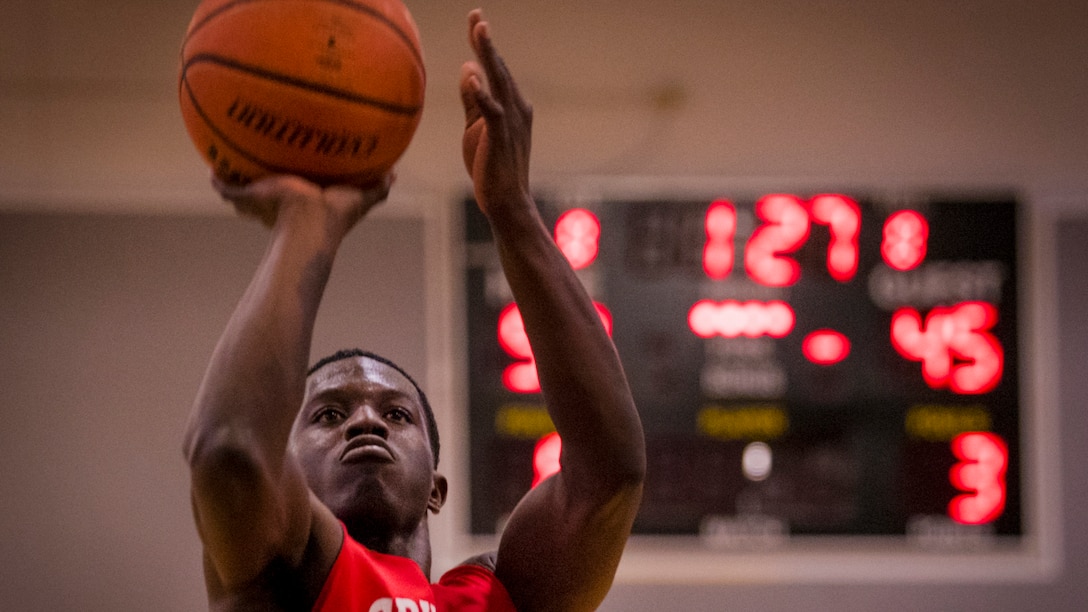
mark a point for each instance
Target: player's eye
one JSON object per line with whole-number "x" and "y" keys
{"x": 399, "y": 415}
{"x": 328, "y": 415}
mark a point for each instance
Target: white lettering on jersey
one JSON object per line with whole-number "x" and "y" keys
{"x": 386, "y": 604}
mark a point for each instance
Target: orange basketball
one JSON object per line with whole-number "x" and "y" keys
{"x": 328, "y": 89}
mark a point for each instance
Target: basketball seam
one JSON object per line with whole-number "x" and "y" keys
{"x": 271, "y": 168}
{"x": 362, "y": 8}
{"x": 397, "y": 109}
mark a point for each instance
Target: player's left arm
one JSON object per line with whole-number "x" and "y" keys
{"x": 562, "y": 545}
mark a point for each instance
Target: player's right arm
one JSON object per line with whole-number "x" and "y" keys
{"x": 251, "y": 504}
{"x": 562, "y": 544}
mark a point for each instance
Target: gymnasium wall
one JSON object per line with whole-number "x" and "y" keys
{"x": 119, "y": 266}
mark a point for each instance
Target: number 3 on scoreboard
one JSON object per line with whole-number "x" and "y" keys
{"x": 980, "y": 473}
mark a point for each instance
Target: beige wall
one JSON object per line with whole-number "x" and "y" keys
{"x": 107, "y": 323}
{"x": 110, "y": 304}
{"x": 894, "y": 92}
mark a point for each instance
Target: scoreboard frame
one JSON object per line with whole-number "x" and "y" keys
{"x": 686, "y": 559}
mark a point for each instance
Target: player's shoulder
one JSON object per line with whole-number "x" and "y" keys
{"x": 485, "y": 560}
{"x": 472, "y": 586}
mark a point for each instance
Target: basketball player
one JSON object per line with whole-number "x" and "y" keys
{"x": 326, "y": 507}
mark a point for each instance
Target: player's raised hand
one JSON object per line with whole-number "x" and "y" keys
{"x": 266, "y": 198}
{"x": 498, "y": 124}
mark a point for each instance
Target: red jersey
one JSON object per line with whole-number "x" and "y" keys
{"x": 362, "y": 580}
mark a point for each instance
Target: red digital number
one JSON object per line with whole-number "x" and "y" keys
{"x": 954, "y": 345}
{"x": 732, "y": 319}
{"x": 785, "y": 228}
{"x": 843, "y": 218}
{"x": 906, "y": 239}
{"x": 721, "y": 229}
{"x": 825, "y": 347}
{"x": 546, "y": 458}
{"x": 980, "y": 473}
{"x": 578, "y": 234}
{"x": 521, "y": 376}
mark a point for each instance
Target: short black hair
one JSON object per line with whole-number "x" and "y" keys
{"x": 428, "y": 413}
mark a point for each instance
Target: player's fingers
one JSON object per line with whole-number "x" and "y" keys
{"x": 243, "y": 203}
{"x": 472, "y": 83}
{"x": 269, "y": 187}
{"x": 476, "y": 97}
{"x": 498, "y": 76}
{"x": 378, "y": 192}
{"x": 503, "y": 89}
{"x": 228, "y": 191}
{"x": 475, "y": 16}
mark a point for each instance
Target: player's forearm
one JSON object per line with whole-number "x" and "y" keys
{"x": 255, "y": 380}
{"x": 580, "y": 372}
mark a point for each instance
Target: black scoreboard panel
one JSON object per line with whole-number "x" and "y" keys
{"x": 804, "y": 364}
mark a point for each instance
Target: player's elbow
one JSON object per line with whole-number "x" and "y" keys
{"x": 629, "y": 470}
{"x": 618, "y": 473}
{"x": 628, "y": 464}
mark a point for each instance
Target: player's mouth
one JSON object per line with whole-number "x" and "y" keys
{"x": 366, "y": 448}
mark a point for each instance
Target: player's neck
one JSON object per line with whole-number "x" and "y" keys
{"x": 415, "y": 545}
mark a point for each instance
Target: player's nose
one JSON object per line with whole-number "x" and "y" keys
{"x": 365, "y": 420}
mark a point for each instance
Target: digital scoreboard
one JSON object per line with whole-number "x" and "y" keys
{"x": 803, "y": 364}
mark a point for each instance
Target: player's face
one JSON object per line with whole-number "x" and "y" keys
{"x": 361, "y": 439}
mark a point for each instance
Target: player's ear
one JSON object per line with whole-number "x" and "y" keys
{"x": 438, "y": 493}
